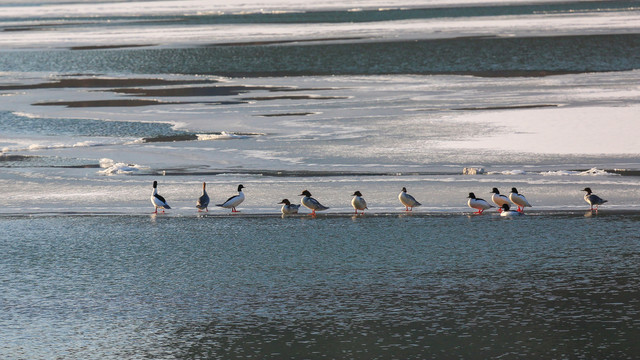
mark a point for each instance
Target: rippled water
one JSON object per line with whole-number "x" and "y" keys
{"x": 111, "y": 287}
{"x": 494, "y": 56}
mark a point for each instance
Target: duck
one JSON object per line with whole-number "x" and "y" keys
{"x": 518, "y": 199}
{"x": 407, "y": 200}
{"x": 593, "y": 199}
{"x": 477, "y": 203}
{"x": 498, "y": 199}
{"x": 203, "y": 200}
{"x": 358, "y": 202}
{"x": 505, "y": 210}
{"x": 288, "y": 207}
{"x": 234, "y": 201}
{"x": 311, "y": 203}
{"x": 157, "y": 200}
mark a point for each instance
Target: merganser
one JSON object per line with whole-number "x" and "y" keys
{"x": 288, "y": 207}
{"x": 478, "y": 204}
{"x": 157, "y": 200}
{"x": 203, "y": 200}
{"x": 311, "y": 203}
{"x": 505, "y": 210}
{"x": 407, "y": 200}
{"x": 499, "y": 199}
{"x": 593, "y": 199}
{"x": 234, "y": 201}
{"x": 358, "y": 202}
{"x": 518, "y": 199}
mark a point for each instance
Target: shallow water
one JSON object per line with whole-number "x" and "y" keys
{"x": 109, "y": 287}
{"x": 17, "y": 125}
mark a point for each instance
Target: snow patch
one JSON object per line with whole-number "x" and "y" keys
{"x": 113, "y": 168}
{"x": 590, "y": 172}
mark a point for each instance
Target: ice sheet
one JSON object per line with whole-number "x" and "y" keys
{"x": 380, "y": 133}
{"x": 583, "y": 130}
{"x": 176, "y": 35}
{"x": 64, "y": 8}
{"x": 427, "y": 122}
{"x": 549, "y": 136}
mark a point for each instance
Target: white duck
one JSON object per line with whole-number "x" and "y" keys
{"x": 157, "y": 200}
{"x": 358, "y": 202}
{"x": 288, "y": 207}
{"x": 407, "y": 200}
{"x": 518, "y": 199}
{"x": 477, "y": 203}
{"x": 234, "y": 201}
{"x": 593, "y": 199}
{"x": 311, "y": 203}
{"x": 499, "y": 199}
{"x": 203, "y": 200}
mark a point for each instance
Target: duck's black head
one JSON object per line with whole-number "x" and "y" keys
{"x": 505, "y": 207}
{"x": 240, "y": 187}
{"x": 471, "y": 196}
{"x": 514, "y": 190}
{"x": 357, "y": 193}
{"x": 306, "y": 193}
{"x": 495, "y": 191}
{"x": 588, "y": 190}
{"x": 404, "y": 189}
{"x": 155, "y": 184}
{"x": 285, "y": 201}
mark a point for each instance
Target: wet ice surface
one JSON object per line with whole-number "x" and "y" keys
{"x": 68, "y": 190}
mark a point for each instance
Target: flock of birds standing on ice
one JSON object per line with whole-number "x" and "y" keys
{"x": 502, "y": 202}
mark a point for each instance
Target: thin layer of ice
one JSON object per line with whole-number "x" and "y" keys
{"x": 83, "y": 8}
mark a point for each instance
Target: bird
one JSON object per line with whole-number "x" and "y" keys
{"x": 311, "y": 203}
{"x": 477, "y": 203}
{"x": 593, "y": 199}
{"x": 234, "y": 201}
{"x": 288, "y": 207}
{"x": 499, "y": 199}
{"x": 505, "y": 210}
{"x": 407, "y": 200}
{"x": 157, "y": 200}
{"x": 358, "y": 202}
{"x": 518, "y": 199}
{"x": 203, "y": 200}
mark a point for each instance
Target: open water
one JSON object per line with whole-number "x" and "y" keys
{"x": 378, "y": 287}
